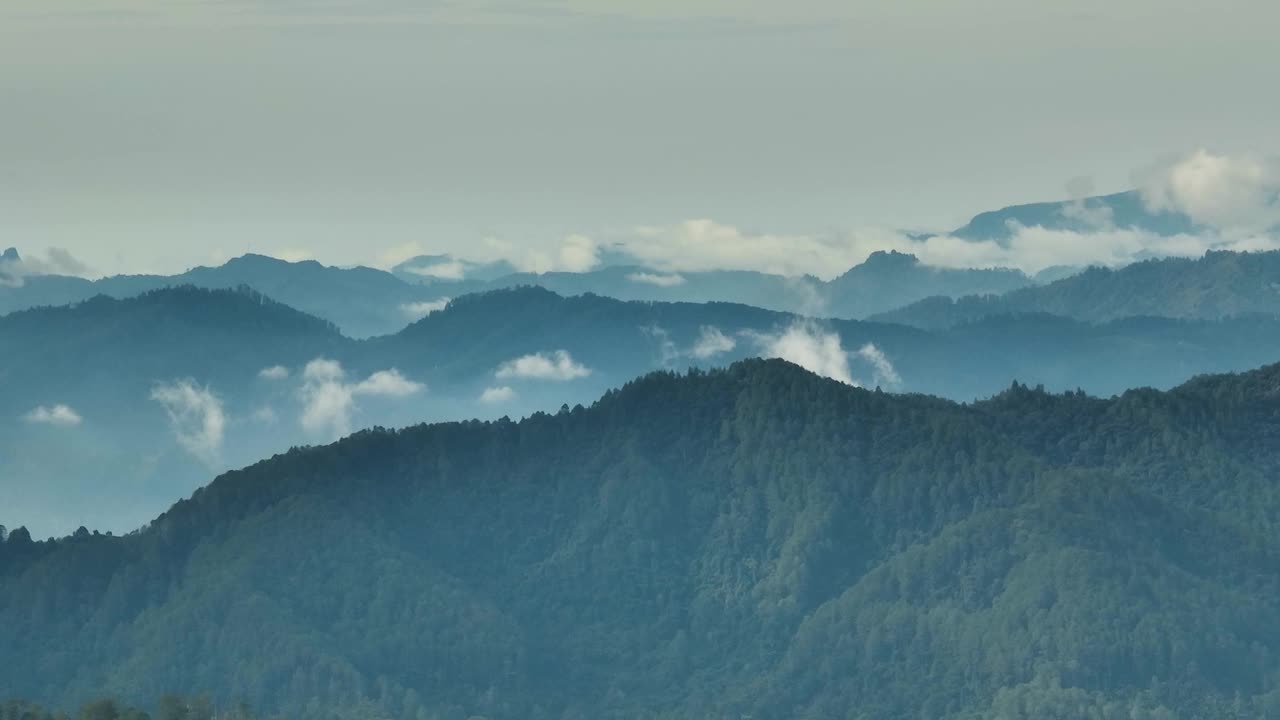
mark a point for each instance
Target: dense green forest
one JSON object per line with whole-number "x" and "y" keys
{"x": 168, "y": 707}
{"x": 748, "y": 542}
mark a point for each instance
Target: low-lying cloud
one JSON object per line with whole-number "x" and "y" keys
{"x": 711, "y": 342}
{"x": 275, "y": 372}
{"x": 59, "y": 415}
{"x": 497, "y": 395}
{"x": 556, "y": 366}
{"x": 882, "y": 371}
{"x": 419, "y": 310}
{"x": 658, "y": 279}
{"x": 15, "y": 268}
{"x": 819, "y": 350}
{"x": 196, "y": 417}
{"x": 329, "y": 400}
{"x": 1233, "y": 194}
{"x": 813, "y": 348}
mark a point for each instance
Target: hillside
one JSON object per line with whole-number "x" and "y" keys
{"x": 1121, "y": 210}
{"x": 1219, "y": 284}
{"x": 756, "y": 541}
{"x": 114, "y": 408}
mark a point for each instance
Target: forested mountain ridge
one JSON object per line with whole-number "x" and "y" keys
{"x": 158, "y": 392}
{"x": 1220, "y": 284}
{"x": 750, "y": 541}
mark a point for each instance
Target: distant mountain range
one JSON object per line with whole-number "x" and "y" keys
{"x": 1220, "y": 284}
{"x": 173, "y": 384}
{"x": 756, "y": 542}
{"x": 1120, "y": 210}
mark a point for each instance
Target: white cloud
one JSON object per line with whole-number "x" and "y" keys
{"x": 658, "y": 279}
{"x": 445, "y": 270}
{"x": 56, "y": 261}
{"x": 711, "y": 342}
{"x": 265, "y": 415}
{"x": 810, "y": 347}
{"x": 292, "y": 255}
{"x": 419, "y": 310}
{"x": 275, "y": 372}
{"x": 702, "y": 245}
{"x": 497, "y": 395}
{"x": 883, "y": 371}
{"x": 195, "y": 415}
{"x": 388, "y": 383}
{"x": 60, "y": 415}
{"x": 1229, "y": 193}
{"x": 323, "y": 370}
{"x": 559, "y": 366}
{"x": 578, "y": 253}
{"x": 329, "y": 401}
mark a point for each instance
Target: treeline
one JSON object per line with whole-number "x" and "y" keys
{"x": 755, "y": 541}
{"x": 168, "y": 707}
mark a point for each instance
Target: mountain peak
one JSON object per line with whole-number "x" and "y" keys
{"x": 11, "y": 255}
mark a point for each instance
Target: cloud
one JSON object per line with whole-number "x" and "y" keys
{"x": 388, "y": 383}
{"x": 703, "y": 245}
{"x": 809, "y": 346}
{"x": 419, "y": 310}
{"x": 497, "y": 395}
{"x": 1228, "y": 193}
{"x": 667, "y": 350}
{"x": 292, "y": 255}
{"x": 557, "y": 366}
{"x": 195, "y": 416}
{"x": 578, "y": 253}
{"x": 275, "y": 372}
{"x": 265, "y": 415}
{"x": 329, "y": 401}
{"x": 711, "y": 342}
{"x": 323, "y": 370}
{"x": 444, "y": 270}
{"x": 14, "y": 268}
{"x": 883, "y": 371}
{"x": 60, "y": 415}
{"x": 658, "y": 279}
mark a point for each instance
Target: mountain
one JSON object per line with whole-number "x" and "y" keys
{"x": 1120, "y": 210}
{"x": 888, "y": 280}
{"x": 361, "y": 301}
{"x": 113, "y": 408}
{"x": 750, "y": 542}
{"x": 1218, "y": 285}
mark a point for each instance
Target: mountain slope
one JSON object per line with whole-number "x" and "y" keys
{"x": 113, "y": 408}
{"x": 1120, "y": 210}
{"x": 1219, "y": 284}
{"x": 755, "y": 541}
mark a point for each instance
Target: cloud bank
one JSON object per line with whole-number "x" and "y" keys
{"x": 1233, "y": 194}
{"x": 196, "y": 417}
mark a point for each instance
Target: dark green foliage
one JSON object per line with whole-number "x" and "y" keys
{"x": 754, "y": 541}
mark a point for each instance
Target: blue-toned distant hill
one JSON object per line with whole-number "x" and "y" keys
{"x": 364, "y": 302}
{"x": 507, "y": 352}
{"x": 754, "y": 542}
{"x": 1120, "y": 210}
{"x": 361, "y": 301}
{"x": 1220, "y": 284}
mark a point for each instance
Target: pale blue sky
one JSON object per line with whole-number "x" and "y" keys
{"x": 151, "y": 135}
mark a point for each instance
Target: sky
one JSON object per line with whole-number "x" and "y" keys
{"x": 153, "y": 135}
